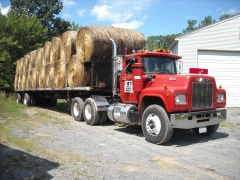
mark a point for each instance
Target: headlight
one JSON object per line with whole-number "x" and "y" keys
{"x": 220, "y": 97}
{"x": 180, "y": 98}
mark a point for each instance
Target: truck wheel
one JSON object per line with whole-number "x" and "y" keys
{"x": 90, "y": 113}
{"x": 77, "y": 109}
{"x": 32, "y": 100}
{"x": 26, "y": 99}
{"x": 155, "y": 125}
{"x": 18, "y": 98}
{"x": 210, "y": 130}
{"x": 103, "y": 118}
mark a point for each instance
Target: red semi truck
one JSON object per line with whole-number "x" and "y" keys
{"x": 147, "y": 90}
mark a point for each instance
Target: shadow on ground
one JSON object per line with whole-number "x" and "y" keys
{"x": 16, "y": 164}
{"x": 180, "y": 137}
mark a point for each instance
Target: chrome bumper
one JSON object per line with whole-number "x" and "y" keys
{"x": 190, "y": 120}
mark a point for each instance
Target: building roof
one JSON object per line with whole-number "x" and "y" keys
{"x": 200, "y": 29}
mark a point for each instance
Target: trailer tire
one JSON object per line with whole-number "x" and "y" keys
{"x": 26, "y": 99}
{"x": 210, "y": 130}
{"x": 90, "y": 113}
{"x": 155, "y": 125}
{"x": 32, "y": 100}
{"x": 18, "y": 98}
{"x": 77, "y": 109}
{"x": 103, "y": 117}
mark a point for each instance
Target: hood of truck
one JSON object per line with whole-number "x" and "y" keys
{"x": 200, "y": 91}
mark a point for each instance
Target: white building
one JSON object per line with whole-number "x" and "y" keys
{"x": 217, "y": 48}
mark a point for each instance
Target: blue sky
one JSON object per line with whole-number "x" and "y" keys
{"x": 151, "y": 17}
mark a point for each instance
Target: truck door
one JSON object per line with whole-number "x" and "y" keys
{"x": 126, "y": 85}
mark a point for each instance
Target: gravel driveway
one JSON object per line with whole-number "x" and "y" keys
{"x": 78, "y": 151}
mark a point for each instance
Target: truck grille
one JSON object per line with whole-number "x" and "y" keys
{"x": 202, "y": 95}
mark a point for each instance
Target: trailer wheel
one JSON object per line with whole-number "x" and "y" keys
{"x": 155, "y": 125}
{"x": 77, "y": 109}
{"x": 90, "y": 113}
{"x": 18, "y": 98}
{"x": 26, "y": 99}
{"x": 210, "y": 130}
{"x": 103, "y": 118}
{"x": 32, "y": 100}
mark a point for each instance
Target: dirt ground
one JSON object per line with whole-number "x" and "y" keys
{"x": 75, "y": 150}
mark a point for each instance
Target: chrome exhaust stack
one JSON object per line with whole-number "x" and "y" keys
{"x": 114, "y": 68}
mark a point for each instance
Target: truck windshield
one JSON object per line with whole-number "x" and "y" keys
{"x": 159, "y": 65}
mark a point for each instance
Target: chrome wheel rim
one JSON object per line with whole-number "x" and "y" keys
{"x": 153, "y": 124}
{"x": 88, "y": 112}
{"x": 75, "y": 109}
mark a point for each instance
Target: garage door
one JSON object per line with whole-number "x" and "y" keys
{"x": 225, "y": 67}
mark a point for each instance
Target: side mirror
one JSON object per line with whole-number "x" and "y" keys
{"x": 179, "y": 67}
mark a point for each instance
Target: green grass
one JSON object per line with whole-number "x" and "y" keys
{"x": 230, "y": 125}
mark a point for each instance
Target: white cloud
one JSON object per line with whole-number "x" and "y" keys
{"x": 69, "y": 3}
{"x": 106, "y": 13}
{"x": 4, "y": 10}
{"x": 232, "y": 11}
{"x": 81, "y": 12}
{"x": 67, "y": 15}
{"x": 130, "y": 25}
{"x": 219, "y": 9}
{"x": 124, "y": 13}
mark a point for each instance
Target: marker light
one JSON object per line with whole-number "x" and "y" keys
{"x": 165, "y": 86}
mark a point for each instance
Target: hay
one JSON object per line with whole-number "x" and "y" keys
{"x": 33, "y": 76}
{"x": 46, "y": 53}
{"x": 28, "y": 80}
{"x": 39, "y": 56}
{"x": 49, "y": 73}
{"x": 23, "y": 80}
{"x": 32, "y": 59}
{"x": 68, "y": 45}
{"x": 75, "y": 72}
{"x": 16, "y": 81}
{"x": 94, "y": 41}
{"x": 26, "y": 62}
{"x": 55, "y": 49}
{"x": 59, "y": 74}
{"x": 41, "y": 77}
{"x": 17, "y": 66}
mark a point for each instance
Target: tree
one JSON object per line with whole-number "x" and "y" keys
{"x": 191, "y": 26}
{"x": 207, "y": 21}
{"x": 225, "y": 16}
{"x": 45, "y": 11}
{"x": 18, "y": 36}
{"x": 74, "y": 27}
{"x": 155, "y": 42}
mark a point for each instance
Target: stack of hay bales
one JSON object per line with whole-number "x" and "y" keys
{"x": 76, "y": 59}
{"x": 67, "y": 48}
{"x": 94, "y": 51}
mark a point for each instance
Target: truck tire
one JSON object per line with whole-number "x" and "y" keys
{"x": 32, "y": 100}
{"x": 210, "y": 130}
{"x": 26, "y": 99}
{"x": 18, "y": 98}
{"x": 90, "y": 113}
{"x": 103, "y": 118}
{"x": 155, "y": 125}
{"x": 77, "y": 109}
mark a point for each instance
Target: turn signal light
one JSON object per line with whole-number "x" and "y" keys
{"x": 220, "y": 87}
{"x": 165, "y": 86}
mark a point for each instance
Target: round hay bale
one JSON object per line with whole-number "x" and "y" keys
{"x": 55, "y": 49}
{"x": 23, "y": 80}
{"x": 46, "y": 53}
{"x": 16, "y": 82}
{"x": 94, "y": 41}
{"x": 28, "y": 80}
{"x": 33, "y": 75}
{"x": 17, "y": 66}
{"x": 59, "y": 74}
{"x": 41, "y": 77}
{"x": 26, "y": 62}
{"x": 68, "y": 45}
{"x": 39, "y": 56}
{"x": 32, "y": 59}
{"x": 49, "y": 72}
{"x": 75, "y": 72}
